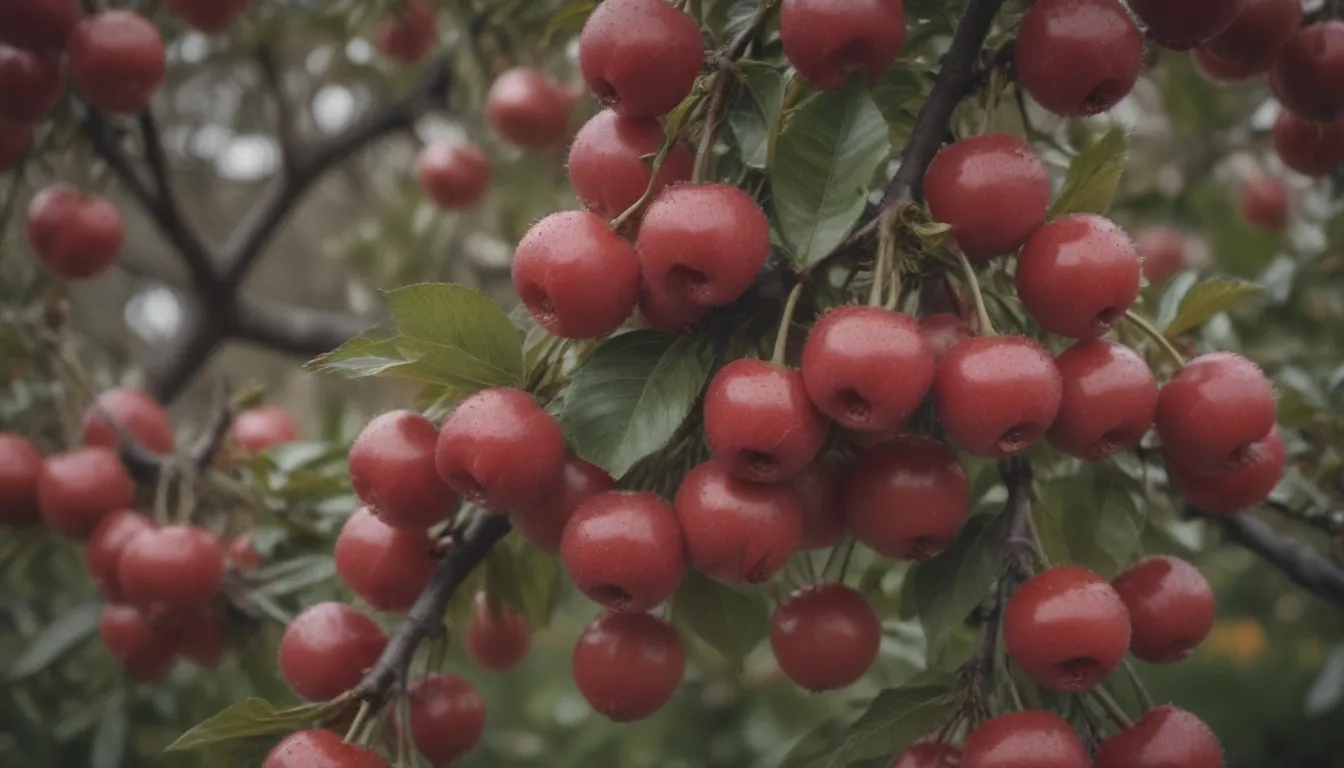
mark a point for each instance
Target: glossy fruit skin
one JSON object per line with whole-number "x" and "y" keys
{"x": 736, "y": 531}
{"x": 30, "y": 84}
{"x": 663, "y": 311}
{"x": 74, "y": 234}
{"x": 868, "y": 368}
{"x": 1031, "y": 738}
{"x": 994, "y": 191}
{"x": 117, "y": 61}
{"x": 406, "y": 37}
{"x": 496, "y": 642}
{"x": 38, "y": 25}
{"x": 703, "y": 243}
{"x": 320, "y": 749}
{"x": 257, "y": 430}
{"x": 447, "y": 717}
{"x": 1067, "y": 628}
{"x": 76, "y": 489}
{"x": 1211, "y": 413}
{"x": 528, "y": 110}
{"x": 640, "y": 57}
{"x": 578, "y": 278}
{"x": 208, "y": 16}
{"x": 943, "y": 332}
{"x": 1171, "y": 607}
{"x": 326, "y": 649}
{"x": 1078, "y": 275}
{"x": 1078, "y": 57}
{"x": 818, "y": 490}
{"x": 1307, "y": 75}
{"x": 1257, "y": 32}
{"x": 102, "y": 550}
{"x": 392, "y": 469}
{"x": 544, "y": 522}
{"x": 627, "y": 665}
{"x": 20, "y": 468}
{"x": 824, "y": 636}
{"x": 1165, "y": 737}
{"x": 499, "y": 450}
{"x": 454, "y": 176}
{"x": 1108, "y": 403}
{"x": 826, "y": 41}
{"x": 907, "y": 498}
{"x": 1313, "y": 149}
{"x": 605, "y": 168}
{"x": 1265, "y": 202}
{"x": 147, "y": 653}
{"x": 171, "y": 569}
{"x": 241, "y": 555}
{"x": 929, "y": 754}
{"x": 1183, "y": 25}
{"x": 1014, "y": 374}
{"x": 1220, "y": 71}
{"x": 387, "y": 567}
{"x": 1231, "y": 492}
{"x": 1163, "y": 253}
{"x": 625, "y": 550}
{"x": 759, "y": 421}
{"x": 137, "y": 413}
{"x": 14, "y": 141}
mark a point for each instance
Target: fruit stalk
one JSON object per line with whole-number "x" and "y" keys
{"x": 1140, "y": 322}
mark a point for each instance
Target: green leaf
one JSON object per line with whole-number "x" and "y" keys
{"x": 316, "y": 570}
{"x": 631, "y": 396}
{"x": 250, "y": 718}
{"x": 524, "y": 578}
{"x": 1104, "y": 523}
{"x": 1093, "y": 176}
{"x": 108, "y": 747}
{"x": 1170, "y": 303}
{"x": 947, "y": 588}
{"x": 1209, "y": 298}
{"x": 569, "y": 17}
{"x": 824, "y": 164}
{"x": 896, "y": 719}
{"x": 730, "y": 621}
{"x": 61, "y": 636}
{"x": 756, "y": 110}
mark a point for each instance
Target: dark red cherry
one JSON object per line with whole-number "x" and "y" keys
{"x": 1165, "y": 737}
{"x": 929, "y": 754}
{"x": 992, "y": 189}
{"x": 392, "y": 470}
{"x": 117, "y": 60}
{"x": 906, "y": 498}
{"x": 1078, "y": 57}
{"x": 38, "y": 25}
{"x": 1171, "y": 607}
{"x": 1078, "y": 275}
{"x": 496, "y": 640}
{"x": 1230, "y": 492}
{"x": 824, "y": 637}
{"x": 171, "y": 569}
{"x": 1257, "y": 32}
{"x": 608, "y": 167}
{"x": 640, "y": 57}
{"x": 143, "y": 650}
{"x": 1314, "y": 149}
{"x": 943, "y": 332}
{"x": 1307, "y": 75}
{"x": 544, "y": 522}
{"x": 326, "y": 649}
{"x": 102, "y": 550}
{"x": 1031, "y": 738}
{"x": 625, "y": 550}
{"x": 20, "y": 468}
{"x": 1266, "y": 202}
{"x": 447, "y": 717}
{"x": 1067, "y": 628}
{"x": 818, "y": 490}
{"x": 1108, "y": 403}
{"x": 77, "y": 489}
{"x": 627, "y": 665}
{"x": 321, "y": 749}
{"x": 30, "y": 84}
{"x": 826, "y": 41}
{"x": 1212, "y": 412}
{"x": 1164, "y": 252}
{"x": 760, "y": 422}
{"x": 134, "y": 411}
{"x": 1183, "y": 24}
{"x": 387, "y": 567}
{"x": 500, "y": 450}
{"x": 737, "y": 531}
{"x": 997, "y": 395}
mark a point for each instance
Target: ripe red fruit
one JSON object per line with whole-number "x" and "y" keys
{"x": 760, "y": 422}
{"x": 625, "y": 550}
{"x": 605, "y": 165}
{"x": 1314, "y": 149}
{"x": 1066, "y": 628}
{"x": 409, "y": 33}
{"x": 1109, "y": 400}
{"x": 326, "y": 649}
{"x": 146, "y": 652}
{"x": 825, "y": 636}
{"x": 943, "y": 332}
{"x": 1165, "y": 737}
{"x": 76, "y": 489}
{"x": 528, "y": 110}
{"x": 1221, "y": 71}
{"x": 497, "y": 641}
{"x": 1228, "y": 493}
{"x": 454, "y": 176}
{"x": 578, "y": 278}
{"x": 102, "y": 551}
{"x": 20, "y": 467}
{"x": 1307, "y": 75}
{"x": 1257, "y": 32}
{"x": 1078, "y": 57}
{"x": 240, "y": 553}
{"x": 208, "y": 16}
{"x": 663, "y": 311}
{"x": 1078, "y": 275}
{"x": 907, "y": 498}
{"x": 30, "y": 84}
{"x": 499, "y": 450}
{"x": 14, "y": 141}
{"x": 996, "y": 395}
{"x": 1163, "y": 252}
{"x": 116, "y": 60}
{"x": 38, "y": 25}
{"x": 544, "y": 522}
{"x": 387, "y": 567}
{"x": 992, "y": 189}
{"x": 1184, "y": 25}
{"x": 171, "y": 569}
{"x": 868, "y": 368}
{"x": 818, "y": 490}
{"x": 136, "y": 412}
{"x": 74, "y": 234}
{"x": 640, "y": 57}
{"x": 627, "y": 665}
{"x": 737, "y": 531}
{"x": 1265, "y": 202}
{"x": 929, "y": 754}
{"x": 447, "y": 717}
{"x": 1211, "y": 413}
{"x": 1171, "y": 607}
{"x": 200, "y": 638}
{"x": 309, "y": 749}
{"x": 703, "y": 243}
{"x": 260, "y": 429}
{"x": 1031, "y": 738}
{"x": 826, "y": 41}
{"x": 392, "y": 470}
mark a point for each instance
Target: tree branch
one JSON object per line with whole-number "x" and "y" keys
{"x": 1016, "y": 549}
{"x": 284, "y": 116}
{"x": 1300, "y": 562}
{"x": 295, "y": 329}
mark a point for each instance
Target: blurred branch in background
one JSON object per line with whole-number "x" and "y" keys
{"x": 1299, "y": 561}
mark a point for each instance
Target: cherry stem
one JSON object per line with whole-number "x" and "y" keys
{"x": 785, "y": 324}
{"x": 830, "y": 558}
{"x": 1112, "y": 707}
{"x": 1013, "y": 692}
{"x": 844, "y": 564}
{"x": 620, "y": 222}
{"x": 968, "y": 274}
{"x": 360, "y": 716}
{"x": 1144, "y": 698}
{"x": 706, "y": 149}
{"x": 886, "y": 247}
{"x": 1141, "y": 322}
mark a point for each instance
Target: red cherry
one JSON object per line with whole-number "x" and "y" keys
{"x": 1220, "y": 71}
{"x": 1066, "y": 628}
{"x": 627, "y": 665}
{"x": 606, "y": 167}
{"x": 992, "y": 189}
{"x": 102, "y": 551}
{"x": 409, "y": 33}
{"x": 500, "y": 450}
{"x": 387, "y": 567}
{"x": 663, "y": 311}
{"x": 943, "y": 332}
{"x": 209, "y": 16}
{"x": 1078, "y": 275}
{"x": 497, "y": 641}
{"x": 1265, "y": 202}
{"x": 260, "y": 429}
{"x": 528, "y": 110}
{"x": 447, "y": 717}
{"x": 1171, "y": 608}
{"x": 1257, "y": 32}
{"x": 825, "y": 636}
{"x": 201, "y": 638}
{"x": 1109, "y": 400}
{"x": 578, "y": 278}
{"x": 117, "y": 60}
{"x": 76, "y": 489}
{"x": 929, "y": 754}
{"x": 320, "y": 749}
{"x": 1313, "y": 149}
{"x": 760, "y": 422}
{"x": 1078, "y": 57}
{"x": 544, "y": 522}
{"x": 326, "y": 649}
{"x": 136, "y": 412}
{"x": 144, "y": 651}
{"x": 625, "y": 550}
{"x": 1163, "y": 253}
{"x": 240, "y": 553}
{"x": 907, "y": 498}
{"x": 868, "y": 368}
{"x": 640, "y": 57}
{"x": 74, "y": 234}
{"x": 1183, "y": 25}
{"x": 38, "y": 25}
{"x": 173, "y": 568}
{"x": 996, "y": 395}
{"x": 703, "y": 243}
{"x": 30, "y": 84}
{"x": 392, "y": 470}
{"x": 737, "y": 531}
{"x": 1165, "y": 737}
{"x": 1228, "y": 493}
{"x": 826, "y": 41}
{"x": 1212, "y": 412}
{"x": 1032, "y": 738}
{"x": 454, "y": 176}
{"x": 14, "y": 141}
{"x": 1307, "y": 75}
{"x": 20, "y": 468}
{"x": 818, "y": 490}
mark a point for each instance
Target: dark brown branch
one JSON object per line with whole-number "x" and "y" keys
{"x": 1299, "y": 561}
{"x": 293, "y": 328}
{"x": 208, "y": 444}
{"x": 284, "y": 115}
{"x": 1016, "y": 549}
{"x": 195, "y": 254}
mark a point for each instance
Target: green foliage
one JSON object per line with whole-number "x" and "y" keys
{"x": 251, "y": 718}
{"x": 1203, "y": 300}
{"x": 1094, "y": 175}
{"x": 893, "y": 721}
{"x": 520, "y": 575}
{"x": 58, "y": 638}
{"x": 731, "y": 621}
{"x": 756, "y": 111}
{"x": 946, "y": 589}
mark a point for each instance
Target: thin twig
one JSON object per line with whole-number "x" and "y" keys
{"x": 284, "y": 116}
{"x": 1307, "y": 568}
